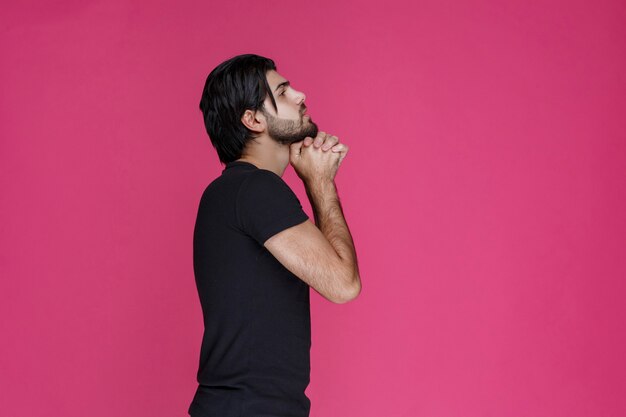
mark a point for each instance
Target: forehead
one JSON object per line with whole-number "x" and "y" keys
{"x": 274, "y": 78}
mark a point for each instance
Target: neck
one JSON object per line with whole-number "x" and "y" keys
{"x": 269, "y": 155}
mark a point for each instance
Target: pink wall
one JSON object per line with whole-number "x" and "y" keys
{"x": 485, "y": 189}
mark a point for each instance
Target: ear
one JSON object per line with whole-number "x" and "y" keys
{"x": 253, "y": 120}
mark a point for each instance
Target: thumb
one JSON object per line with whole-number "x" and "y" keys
{"x": 295, "y": 148}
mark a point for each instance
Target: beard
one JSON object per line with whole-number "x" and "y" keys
{"x": 287, "y": 132}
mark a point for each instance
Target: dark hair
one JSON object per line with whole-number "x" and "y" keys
{"x": 233, "y": 87}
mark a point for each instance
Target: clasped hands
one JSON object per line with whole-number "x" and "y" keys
{"x": 326, "y": 142}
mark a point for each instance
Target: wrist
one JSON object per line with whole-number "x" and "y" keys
{"x": 320, "y": 185}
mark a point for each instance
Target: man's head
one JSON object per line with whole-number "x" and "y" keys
{"x": 245, "y": 97}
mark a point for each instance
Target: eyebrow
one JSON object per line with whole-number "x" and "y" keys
{"x": 285, "y": 83}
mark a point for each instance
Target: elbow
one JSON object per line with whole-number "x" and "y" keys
{"x": 351, "y": 292}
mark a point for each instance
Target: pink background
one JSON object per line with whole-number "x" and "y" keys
{"x": 485, "y": 188}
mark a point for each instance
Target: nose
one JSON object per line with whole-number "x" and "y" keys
{"x": 301, "y": 97}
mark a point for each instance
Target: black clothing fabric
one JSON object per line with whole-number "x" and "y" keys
{"x": 255, "y": 352}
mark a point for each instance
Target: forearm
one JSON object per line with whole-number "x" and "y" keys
{"x": 330, "y": 220}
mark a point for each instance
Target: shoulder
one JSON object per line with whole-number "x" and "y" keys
{"x": 266, "y": 175}
{"x": 266, "y": 205}
{"x": 263, "y": 180}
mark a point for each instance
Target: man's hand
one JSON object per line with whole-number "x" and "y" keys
{"x": 328, "y": 142}
{"x": 313, "y": 163}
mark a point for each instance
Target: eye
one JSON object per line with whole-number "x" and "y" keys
{"x": 282, "y": 93}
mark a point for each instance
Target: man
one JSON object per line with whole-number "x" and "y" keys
{"x": 255, "y": 250}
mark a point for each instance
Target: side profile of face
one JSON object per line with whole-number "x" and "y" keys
{"x": 290, "y": 124}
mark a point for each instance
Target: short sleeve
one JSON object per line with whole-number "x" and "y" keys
{"x": 266, "y": 205}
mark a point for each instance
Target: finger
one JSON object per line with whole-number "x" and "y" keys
{"x": 340, "y": 147}
{"x": 330, "y": 142}
{"x": 341, "y": 157}
{"x": 307, "y": 141}
{"x": 295, "y": 148}
{"x": 319, "y": 139}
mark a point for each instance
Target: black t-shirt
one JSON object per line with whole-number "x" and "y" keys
{"x": 255, "y": 352}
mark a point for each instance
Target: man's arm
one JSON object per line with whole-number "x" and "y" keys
{"x": 323, "y": 256}
{"x": 330, "y": 220}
